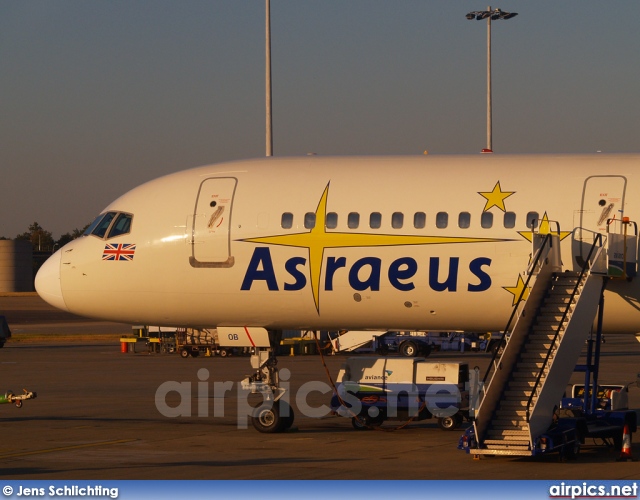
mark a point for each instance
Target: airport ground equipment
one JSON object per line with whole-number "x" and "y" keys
{"x": 412, "y": 344}
{"x": 193, "y": 342}
{"x": 371, "y": 390}
{"x": 5, "y": 332}
{"x": 149, "y": 339}
{"x": 10, "y": 398}
{"x": 522, "y": 412}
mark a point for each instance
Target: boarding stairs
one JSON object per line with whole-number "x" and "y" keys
{"x": 543, "y": 347}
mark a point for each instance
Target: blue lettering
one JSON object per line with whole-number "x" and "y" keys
{"x": 292, "y": 268}
{"x": 410, "y": 267}
{"x": 261, "y": 258}
{"x": 372, "y": 282}
{"x": 476, "y": 268}
{"x": 451, "y": 282}
{"x": 333, "y": 265}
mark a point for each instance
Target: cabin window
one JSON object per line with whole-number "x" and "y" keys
{"x": 509, "y": 220}
{"x": 486, "y": 220}
{"x": 353, "y": 220}
{"x": 375, "y": 220}
{"x": 101, "y": 228}
{"x": 419, "y": 220}
{"x": 464, "y": 220}
{"x": 122, "y": 225}
{"x": 309, "y": 220}
{"x": 533, "y": 220}
{"x": 331, "y": 221}
{"x": 442, "y": 220}
{"x": 287, "y": 220}
{"x": 397, "y": 220}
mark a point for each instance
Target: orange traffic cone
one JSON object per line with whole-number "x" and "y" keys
{"x": 625, "y": 453}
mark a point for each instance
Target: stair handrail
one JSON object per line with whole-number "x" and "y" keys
{"x": 532, "y": 266}
{"x": 585, "y": 267}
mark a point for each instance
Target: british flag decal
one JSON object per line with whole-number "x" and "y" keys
{"x": 118, "y": 251}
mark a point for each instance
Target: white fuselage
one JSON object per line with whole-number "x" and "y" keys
{"x": 210, "y": 248}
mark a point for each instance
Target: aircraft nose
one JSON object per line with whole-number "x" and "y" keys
{"x": 48, "y": 283}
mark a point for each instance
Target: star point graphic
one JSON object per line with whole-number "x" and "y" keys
{"x": 518, "y": 290}
{"x": 318, "y": 239}
{"x": 545, "y": 228}
{"x": 496, "y": 197}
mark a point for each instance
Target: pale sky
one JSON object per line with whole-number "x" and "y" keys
{"x": 97, "y": 97}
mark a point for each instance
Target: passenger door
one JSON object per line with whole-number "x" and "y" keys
{"x": 602, "y": 201}
{"x": 211, "y": 239}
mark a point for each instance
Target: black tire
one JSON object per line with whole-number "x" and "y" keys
{"x": 267, "y": 419}
{"x": 448, "y": 423}
{"x": 360, "y": 423}
{"x": 409, "y": 349}
{"x": 425, "y": 350}
{"x": 224, "y": 353}
{"x": 382, "y": 350}
{"x": 459, "y": 419}
{"x": 572, "y": 450}
{"x": 184, "y": 353}
{"x": 1, "y": 345}
{"x": 195, "y": 353}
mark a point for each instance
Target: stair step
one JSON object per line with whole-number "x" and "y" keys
{"x": 551, "y": 319}
{"x": 521, "y": 384}
{"x": 510, "y": 426}
{"x": 510, "y": 447}
{"x": 535, "y": 355}
{"x": 514, "y": 434}
{"x": 512, "y": 423}
{"x": 525, "y": 375}
{"x": 518, "y": 393}
{"x": 506, "y": 443}
{"x": 541, "y": 338}
{"x": 555, "y": 308}
{"x": 559, "y": 300}
{"x": 564, "y": 290}
{"x": 511, "y": 413}
{"x": 545, "y": 329}
{"x": 514, "y": 404}
{"x": 538, "y": 345}
{"x": 530, "y": 365}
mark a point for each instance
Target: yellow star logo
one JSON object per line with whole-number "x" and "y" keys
{"x": 496, "y": 197}
{"x": 518, "y": 290}
{"x": 545, "y": 228}
{"x": 318, "y": 239}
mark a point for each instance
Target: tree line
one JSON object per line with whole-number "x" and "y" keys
{"x": 43, "y": 241}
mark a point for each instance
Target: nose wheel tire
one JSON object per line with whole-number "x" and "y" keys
{"x": 270, "y": 419}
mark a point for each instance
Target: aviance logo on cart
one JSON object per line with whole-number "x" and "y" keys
{"x": 586, "y": 490}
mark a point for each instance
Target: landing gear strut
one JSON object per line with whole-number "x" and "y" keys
{"x": 273, "y": 414}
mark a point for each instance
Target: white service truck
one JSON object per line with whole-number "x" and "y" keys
{"x": 371, "y": 390}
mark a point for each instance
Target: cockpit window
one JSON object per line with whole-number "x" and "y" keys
{"x": 122, "y": 225}
{"x": 113, "y": 223}
{"x": 101, "y": 228}
{"x": 93, "y": 225}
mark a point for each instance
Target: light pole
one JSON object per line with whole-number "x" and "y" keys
{"x": 269, "y": 138}
{"x": 489, "y": 15}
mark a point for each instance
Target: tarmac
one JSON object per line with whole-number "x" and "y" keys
{"x": 103, "y": 414}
